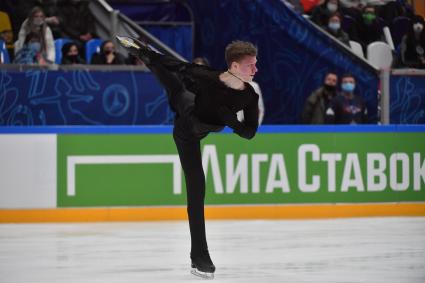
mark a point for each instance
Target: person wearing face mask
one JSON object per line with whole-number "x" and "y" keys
{"x": 334, "y": 28}
{"x": 108, "y": 55}
{"x": 35, "y": 23}
{"x": 369, "y": 29}
{"x": 204, "y": 100}
{"x": 317, "y": 103}
{"x": 412, "y": 49}
{"x": 347, "y": 107}
{"x": 30, "y": 53}
{"x": 321, "y": 14}
{"x": 70, "y": 54}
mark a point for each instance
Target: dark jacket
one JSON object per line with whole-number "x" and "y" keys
{"x": 69, "y": 60}
{"x": 410, "y": 45}
{"x": 340, "y": 35}
{"x": 100, "y": 59}
{"x": 315, "y": 107}
{"x": 344, "y": 110}
{"x": 369, "y": 33}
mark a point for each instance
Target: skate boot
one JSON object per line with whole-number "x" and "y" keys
{"x": 135, "y": 47}
{"x": 203, "y": 267}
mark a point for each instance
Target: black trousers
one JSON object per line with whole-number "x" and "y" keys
{"x": 187, "y": 138}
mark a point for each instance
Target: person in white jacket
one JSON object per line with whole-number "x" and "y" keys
{"x": 36, "y": 23}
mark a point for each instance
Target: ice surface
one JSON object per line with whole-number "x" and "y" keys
{"x": 336, "y": 250}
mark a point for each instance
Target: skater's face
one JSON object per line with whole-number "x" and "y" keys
{"x": 246, "y": 68}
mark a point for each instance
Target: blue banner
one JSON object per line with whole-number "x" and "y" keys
{"x": 407, "y": 99}
{"x": 81, "y": 97}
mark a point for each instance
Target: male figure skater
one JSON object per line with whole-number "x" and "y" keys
{"x": 205, "y": 101}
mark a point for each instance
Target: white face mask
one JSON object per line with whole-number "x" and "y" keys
{"x": 38, "y": 22}
{"x": 332, "y": 7}
{"x": 335, "y": 26}
{"x": 418, "y": 27}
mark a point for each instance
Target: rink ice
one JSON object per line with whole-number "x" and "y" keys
{"x": 335, "y": 250}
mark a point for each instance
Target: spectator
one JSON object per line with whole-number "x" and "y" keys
{"x": 309, "y": 5}
{"x": 18, "y": 11}
{"x": 317, "y": 103}
{"x": 70, "y": 54}
{"x": 396, "y": 8}
{"x": 369, "y": 29}
{"x": 6, "y": 33}
{"x": 321, "y": 14}
{"x": 70, "y": 19}
{"x": 334, "y": 28}
{"x": 108, "y": 55}
{"x": 347, "y": 107}
{"x": 36, "y": 23}
{"x": 352, "y": 3}
{"x": 413, "y": 45}
{"x": 30, "y": 53}
{"x": 352, "y": 9}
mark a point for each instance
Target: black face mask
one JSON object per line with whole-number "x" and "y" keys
{"x": 330, "y": 88}
{"x": 72, "y": 58}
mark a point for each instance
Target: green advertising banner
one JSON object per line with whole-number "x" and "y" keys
{"x": 273, "y": 168}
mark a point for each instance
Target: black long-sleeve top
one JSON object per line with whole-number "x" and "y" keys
{"x": 217, "y": 104}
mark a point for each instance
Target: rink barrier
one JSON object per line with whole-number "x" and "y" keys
{"x": 168, "y": 129}
{"x": 246, "y": 212}
{"x": 80, "y": 176}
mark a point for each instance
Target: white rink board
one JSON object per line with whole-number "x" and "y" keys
{"x": 27, "y": 171}
{"x": 337, "y": 250}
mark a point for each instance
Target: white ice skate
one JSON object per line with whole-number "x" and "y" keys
{"x": 203, "y": 267}
{"x": 202, "y": 274}
{"x": 128, "y": 42}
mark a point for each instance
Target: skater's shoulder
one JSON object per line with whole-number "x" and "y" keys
{"x": 200, "y": 68}
{"x": 203, "y": 73}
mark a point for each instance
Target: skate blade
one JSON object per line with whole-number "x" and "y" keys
{"x": 204, "y": 275}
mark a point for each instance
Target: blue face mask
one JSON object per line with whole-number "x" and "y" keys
{"x": 35, "y": 46}
{"x": 348, "y": 87}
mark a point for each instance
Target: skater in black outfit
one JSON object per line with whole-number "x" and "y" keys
{"x": 205, "y": 101}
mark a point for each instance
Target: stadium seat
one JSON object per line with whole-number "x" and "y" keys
{"x": 399, "y": 27}
{"x": 4, "y": 54}
{"x": 92, "y": 46}
{"x": 379, "y": 55}
{"x": 357, "y": 48}
{"x": 59, "y": 43}
{"x": 388, "y": 37}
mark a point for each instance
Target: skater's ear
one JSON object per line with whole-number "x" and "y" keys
{"x": 234, "y": 65}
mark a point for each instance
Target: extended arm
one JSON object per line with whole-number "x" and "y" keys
{"x": 246, "y": 129}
